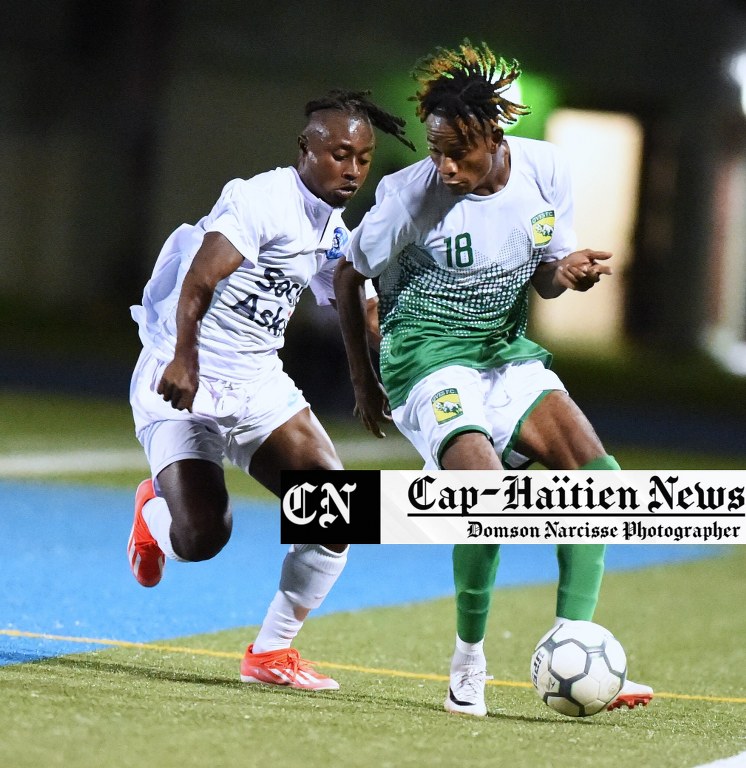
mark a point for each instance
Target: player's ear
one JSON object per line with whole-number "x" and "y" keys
{"x": 498, "y": 134}
{"x": 303, "y": 143}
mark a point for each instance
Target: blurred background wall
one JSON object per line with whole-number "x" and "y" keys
{"x": 120, "y": 120}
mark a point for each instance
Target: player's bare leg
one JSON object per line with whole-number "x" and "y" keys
{"x": 300, "y": 443}
{"x": 470, "y": 450}
{"x": 201, "y": 519}
{"x": 185, "y": 515}
{"x": 558, "y": 434}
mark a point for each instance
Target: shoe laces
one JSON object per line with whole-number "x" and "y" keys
{"x": 470, "y": 682}
{"x": 290, "y": 662}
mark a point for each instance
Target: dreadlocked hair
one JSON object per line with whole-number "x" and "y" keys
{"x": 467, "y": 83}
{"x": 357, "y": 102}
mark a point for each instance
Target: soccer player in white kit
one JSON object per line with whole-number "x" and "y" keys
{"x": 209, "y": 384}
{"x": 455, "y": 241}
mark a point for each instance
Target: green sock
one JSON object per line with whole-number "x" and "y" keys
{"x": 474, "y": 571}
{"x": 603, "y": 462}
{"x": 581, "y": 568}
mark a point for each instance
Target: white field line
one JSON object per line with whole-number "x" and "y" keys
{"x": 371, "y": 450}
{"x": 116, "y": 460}
{"x": 737, "y": 761}
{"x": 68, "y": 462}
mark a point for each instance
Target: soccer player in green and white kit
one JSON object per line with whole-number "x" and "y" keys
{"x": 455, "y": 241}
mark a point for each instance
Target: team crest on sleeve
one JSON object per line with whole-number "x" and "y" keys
{"x": 542, "y": 228}
{"x": 446, "y": 405}
{"x": 338, "y": 243}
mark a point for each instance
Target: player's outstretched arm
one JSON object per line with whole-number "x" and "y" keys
{"x": 215, "y": 260}
{"x": 371, "y": 403}
{"x": 579, "y": 271}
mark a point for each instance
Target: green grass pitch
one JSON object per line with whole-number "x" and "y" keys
{"x": 179, "y": 703}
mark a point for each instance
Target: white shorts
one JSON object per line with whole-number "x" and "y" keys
{"x": 458, "y": 399}
{"x": 229, "y": 419}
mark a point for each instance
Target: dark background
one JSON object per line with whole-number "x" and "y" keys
{"x": 120, "y": 120}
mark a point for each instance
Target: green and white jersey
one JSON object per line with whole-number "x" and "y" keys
{"x": 453, "y": 271}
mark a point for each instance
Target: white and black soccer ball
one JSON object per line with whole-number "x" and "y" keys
{"x": 578, "y": 668}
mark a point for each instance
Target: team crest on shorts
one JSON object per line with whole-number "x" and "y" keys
{"x": 542, "y": 228}
{"x": 447, "y": 405}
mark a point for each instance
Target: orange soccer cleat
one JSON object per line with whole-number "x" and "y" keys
{"x": 146, "y": 557}
{"x": 632, "y": 695}
{"x": 283, "y": 667}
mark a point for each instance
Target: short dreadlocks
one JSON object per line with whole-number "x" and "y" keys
{"x": 467, "y": 83}
{"x": 357, "y": 102}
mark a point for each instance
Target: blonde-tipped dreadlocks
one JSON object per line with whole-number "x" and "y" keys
{"x": 464, "y": 84}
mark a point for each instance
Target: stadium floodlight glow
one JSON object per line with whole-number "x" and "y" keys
{"x": 737, "y": 72}
{"x": 541, "y": 95}
{"x": 513, "y": 92}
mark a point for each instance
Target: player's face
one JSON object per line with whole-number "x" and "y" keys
{"x": 335, "y": 154}
{"x": 464, "y": 166}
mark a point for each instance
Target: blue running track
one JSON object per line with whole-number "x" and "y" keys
{"x": 64, "y": 572}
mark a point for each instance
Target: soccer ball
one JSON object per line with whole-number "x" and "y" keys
{"x": 578, "y": 668}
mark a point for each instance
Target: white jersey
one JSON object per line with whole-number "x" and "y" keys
{"x": 288, "y": 237}
{"x": 454, "y": 270}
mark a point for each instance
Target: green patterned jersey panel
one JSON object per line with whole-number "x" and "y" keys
{"x": 432, "y": 316}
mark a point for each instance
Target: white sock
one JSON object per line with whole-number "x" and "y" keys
{"x": 468, "y": 653}
{"x": 157, "y": 517}
{"x": 309, "y": 571}
{"x": 280, "y": 626}
{"x": 470, "y": 649}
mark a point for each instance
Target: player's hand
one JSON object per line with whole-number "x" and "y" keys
{"x": 179, "y": 383}
{"x": 581, "y": 270}
{"x": 372, "y": 407}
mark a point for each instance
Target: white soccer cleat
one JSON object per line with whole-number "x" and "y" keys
{"x": 632, "y": 695}
{"x": 466, "y": 689}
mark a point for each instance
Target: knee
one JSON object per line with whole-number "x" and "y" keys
{"x": 204, "y": 539}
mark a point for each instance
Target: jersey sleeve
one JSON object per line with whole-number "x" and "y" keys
{"x": 242, "y": 214}
{"x": 564, "y": 239}
{"x": 383, "y": 233}
{"x": 322, "y": 286}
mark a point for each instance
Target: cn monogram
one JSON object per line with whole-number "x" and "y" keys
{"x": 298, "y": 506}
